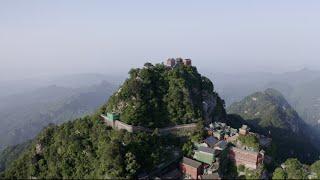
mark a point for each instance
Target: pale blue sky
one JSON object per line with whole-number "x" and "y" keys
{"x": 52, "y": 37}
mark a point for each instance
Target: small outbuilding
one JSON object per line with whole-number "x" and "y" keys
{"x": 113, "y": 116}
{"x": 205, "y": 155}
{"x": 190, "y": 168}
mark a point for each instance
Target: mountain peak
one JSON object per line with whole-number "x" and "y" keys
{"x": 268, "y": 109}
{"x": 269, "y": 112}
{"x": 163, "y": 94}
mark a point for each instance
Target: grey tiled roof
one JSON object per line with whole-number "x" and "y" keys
{"x": 206, "y": 149}
{"x": 211, "y": 176}
{"x": 222, "y": 144}
{"x": 211, "y": 141}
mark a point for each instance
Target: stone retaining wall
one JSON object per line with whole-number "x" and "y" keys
{"x": 116, "y": 124}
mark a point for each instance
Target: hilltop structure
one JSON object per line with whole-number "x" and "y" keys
{"x": 173, "y": 62}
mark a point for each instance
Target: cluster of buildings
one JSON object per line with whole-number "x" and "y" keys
{"x": 205, "y": 162}
{"x": 221, "y": 131}
{"x": 173, "y": 62}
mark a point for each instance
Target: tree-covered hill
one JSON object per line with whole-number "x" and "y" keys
{"x": 157, "y": 96}
{"x": 153, "y": 96}
{"x": 86, "y": 148}
{"x": 269, "y": 111}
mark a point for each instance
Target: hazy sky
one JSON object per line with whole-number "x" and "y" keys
{"x": 52, "y": 37}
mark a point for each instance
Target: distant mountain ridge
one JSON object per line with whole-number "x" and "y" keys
{"x": 22, "y": 116}
{"x": 28, "y": 85}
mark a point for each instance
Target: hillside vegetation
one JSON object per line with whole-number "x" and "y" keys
{"x": 270, "y": 113}
{"x": 157, "y": 96}
{"x": 86, "y": 148}
{"x": 268, "y": 109}
{"x": 293, "y": 169}
{"x": 154, "y": 96}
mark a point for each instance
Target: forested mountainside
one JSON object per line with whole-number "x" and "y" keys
{"x": 268, "y": 109}
{"x": 270, "y": 112}
{"x": 157, "y": 96}
{"x": 22, "y": 116}
{"x": 153, "y": 96}
{"x": 304, "y": 98}
{"x": 87, "y": 148}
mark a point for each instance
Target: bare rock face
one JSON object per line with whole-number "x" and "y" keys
{"x": 209, "y": 104}
{"x": 39, "y": 149}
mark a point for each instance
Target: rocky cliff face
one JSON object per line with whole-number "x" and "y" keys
{"x": 209, "y": 104}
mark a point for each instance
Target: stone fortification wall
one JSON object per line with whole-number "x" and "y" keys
{"x": 116, "y": 124}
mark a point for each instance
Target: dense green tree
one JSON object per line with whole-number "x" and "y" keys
{"x": 187, "y": 148}
{"x": 294, "y": 169}
{"x": 315, "y": 167}
{"x": 279, "y": 173}
{"x": 250, "y": 140}
{"x": 227, "y": 167}
{"x": 199, "y": 134}
{"x": 132, "y": 166}
{"x": 241, "y": 168}
{"x": 253, "y": 174}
